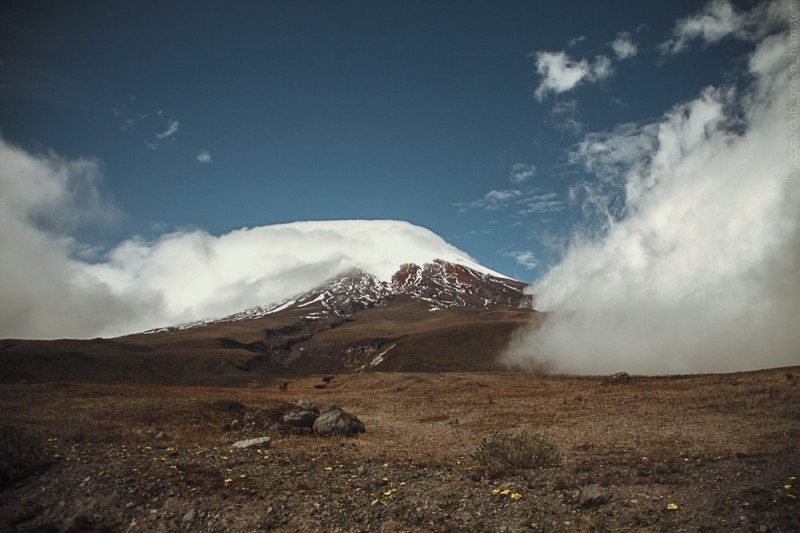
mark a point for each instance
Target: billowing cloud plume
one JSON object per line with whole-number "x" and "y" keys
{"x": 48, "y": 290}
{"x": 694, "y": 264}
{"x": 43, "y": 292}
{"x": 561, "y": 73}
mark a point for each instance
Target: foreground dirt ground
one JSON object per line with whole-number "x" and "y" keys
{"x": 693, "y": 453}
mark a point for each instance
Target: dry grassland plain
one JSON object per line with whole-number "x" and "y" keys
{"x": 686, "y": 453}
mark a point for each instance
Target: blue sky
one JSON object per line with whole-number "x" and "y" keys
{"x": 217, "y": 116}
{"x": 635, "y": 162}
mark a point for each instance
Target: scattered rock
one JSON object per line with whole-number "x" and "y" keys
{"x": 619, "y": 377}
{"x": 236, "y": 425}
{"x": 284, "y": 386}
{"x": 189, "y": 516}
{"x": 328, "y": 379}
{"x": 263, "y": 442}
{"x": 594, "y": 496}
{"x": 320, "y": 385}
{"x": 335, "y": 421}
{"x": 302, "y": 415}
{"x": 157, "y": 434}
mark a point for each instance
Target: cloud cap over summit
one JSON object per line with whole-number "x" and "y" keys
{"x": 53, "y": 286}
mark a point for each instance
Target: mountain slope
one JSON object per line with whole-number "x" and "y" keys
{"x": 438, "y": 316}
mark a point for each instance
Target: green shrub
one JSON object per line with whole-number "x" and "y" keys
{"x": 516, "y": 451}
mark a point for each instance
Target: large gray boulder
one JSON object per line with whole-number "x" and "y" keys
{"x": 335, "y": 421}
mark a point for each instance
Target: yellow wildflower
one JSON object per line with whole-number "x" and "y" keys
{"x": 516, "y": 496}
{"x": 672, "y": 506}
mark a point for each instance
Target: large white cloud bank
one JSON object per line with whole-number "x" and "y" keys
{"x": 700, "y": 269}
{"x": 52, "y": 286}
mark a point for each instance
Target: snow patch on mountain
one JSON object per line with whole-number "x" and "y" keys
{"x": 440, "y": 284}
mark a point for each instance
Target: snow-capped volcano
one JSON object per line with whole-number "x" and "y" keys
{"x": 438, "y": 284}
{"x": 196, "y": 276}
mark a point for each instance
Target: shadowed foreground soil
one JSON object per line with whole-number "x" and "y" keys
{"x": 695, "y": 453}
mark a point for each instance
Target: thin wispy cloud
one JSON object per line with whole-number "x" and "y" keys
{"x": 720, "y": 19}
{"x": 493, "y": 200}
{"x": 576, "y": 41}
{"x": 623, "y": 46}
{"x": 172, "y": 129}
{"x": 518, "y": 202}
{"x": 539, "y": 204}
{"x": 133, "y": 119}
{"x": 524, "y": 258}
{"x": 561, "y": 73}
{"x": 204, "y": 157}
{"x": 565, "y": 116}
{"x": 520, "y": 173}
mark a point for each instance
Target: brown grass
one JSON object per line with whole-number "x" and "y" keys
{"x": 662, "y": 437}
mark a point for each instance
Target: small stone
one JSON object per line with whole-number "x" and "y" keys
{"x": 263, "y": 442}
{"x": 189, "y": 516}
{"x": 619, "y": 377}
{"x": 594, "y": 496}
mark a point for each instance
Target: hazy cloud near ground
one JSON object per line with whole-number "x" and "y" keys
{"x": 693, "y": 264}
{"x": 43, "y": 198}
